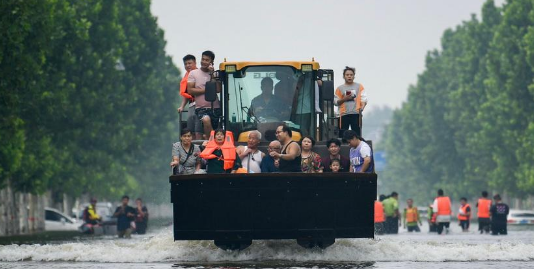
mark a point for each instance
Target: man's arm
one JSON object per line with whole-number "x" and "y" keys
{"x": 241, "y": 152}
{"x": 191, "y": 89}
{"x": 182, "y": 105}
{"x": 366, "y": 163}
{"x": 292, "y": 152}
{"x": 117, "y": 212}
{"x": 404, "y": 218}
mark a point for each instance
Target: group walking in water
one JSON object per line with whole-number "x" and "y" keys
{"x": 491, "y": 215}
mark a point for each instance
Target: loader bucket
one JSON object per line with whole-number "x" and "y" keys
{"x": 234, "y": 209}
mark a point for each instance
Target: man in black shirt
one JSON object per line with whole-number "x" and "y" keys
{"x": 499, "y": 213}
{"x": 125, "y": 215}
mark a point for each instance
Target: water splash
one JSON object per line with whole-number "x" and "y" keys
{"x": 160, "y": 247}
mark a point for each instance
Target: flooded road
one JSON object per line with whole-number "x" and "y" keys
{"x": 406, "y": 250}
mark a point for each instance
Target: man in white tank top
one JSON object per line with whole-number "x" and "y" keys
{"x": 250, "y": 155}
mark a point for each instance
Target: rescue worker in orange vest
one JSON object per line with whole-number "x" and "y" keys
{"x": 380, "y": 217}
{"x": 464, "y": 214}
{"x": 193, "y": 123}
{"x": 411, "y": 217}
{"x": 351, "y": 99}
{"x": 483, "y": 214}
{"x": 220, "y": 153}
{"x": 442, "y": 207}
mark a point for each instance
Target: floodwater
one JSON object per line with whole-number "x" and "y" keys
{"x": 406, "y": 250}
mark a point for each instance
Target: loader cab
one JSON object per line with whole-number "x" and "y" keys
{"x": 263, "y": 95}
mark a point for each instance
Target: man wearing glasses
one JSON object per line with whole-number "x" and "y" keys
{"x": 270, "y": 164}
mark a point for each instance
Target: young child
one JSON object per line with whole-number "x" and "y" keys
{"x": 411, "y": 217}
{"x": 335, "y": 165}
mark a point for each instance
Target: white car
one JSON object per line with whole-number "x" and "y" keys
{"x": 521, "y": 217}
{"x": 57, "y": 221}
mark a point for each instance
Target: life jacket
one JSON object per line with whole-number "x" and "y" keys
{"x": 183, "y": 87}
{"x": 444, "y": 205}
{"x": 484, "y": 208}
{"x": 379, "y": 212}
{"x": 463, "y": 210}
{"x": 227, "y": 148}
{"x": 411, "y": 214}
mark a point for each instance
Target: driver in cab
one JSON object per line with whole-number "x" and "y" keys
{"x": 265, "y": 105}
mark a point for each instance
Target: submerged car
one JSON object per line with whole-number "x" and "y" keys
{"x": 521, "y": 217}
{"x": 57, "y": 221}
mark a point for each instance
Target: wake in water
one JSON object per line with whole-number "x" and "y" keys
{"x": 160, "y": 247}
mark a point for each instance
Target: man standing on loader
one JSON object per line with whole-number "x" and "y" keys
{"x": 196, "y": 86}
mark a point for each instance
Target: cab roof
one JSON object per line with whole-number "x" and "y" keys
{"x": 294, "y": 64}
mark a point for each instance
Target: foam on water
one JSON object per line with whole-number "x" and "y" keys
{"x": 160, "y": 247}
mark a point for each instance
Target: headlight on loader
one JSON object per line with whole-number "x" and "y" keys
{"x": 307, "y": 68}
{"x": 230, "y": 69}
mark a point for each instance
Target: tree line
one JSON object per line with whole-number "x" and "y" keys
{"x": 468, "y": 122}
{"x": 87, "y": 98}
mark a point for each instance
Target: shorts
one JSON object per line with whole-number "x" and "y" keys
{"x": 214, "y": 115}
{"x": 193, "y": 123}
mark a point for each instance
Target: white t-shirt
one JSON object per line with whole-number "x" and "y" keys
{"x": 252, "y": 161}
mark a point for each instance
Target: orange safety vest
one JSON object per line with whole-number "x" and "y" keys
{"x": 357, "y": 99}
{"x": 444, "y": 205}
{"x": 463, "y": 210}
{"x": 227, "y": 148}
{"x": 484, "y": 208}
{"x": 379, "y": 212}
{"x": 183, "y": 87}
{"x": 411, "y": 214}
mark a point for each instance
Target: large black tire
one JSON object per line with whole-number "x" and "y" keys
{"x": 233, "y": 244}
{"x": 313, "y": 243}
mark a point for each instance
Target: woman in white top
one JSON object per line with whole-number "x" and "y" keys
{"x": 250, "y": 155}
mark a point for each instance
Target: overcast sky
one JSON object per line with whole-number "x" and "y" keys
{"x": 385, "y": 40}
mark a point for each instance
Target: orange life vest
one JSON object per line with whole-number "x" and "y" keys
{"x": 484, "y": 208}
{"x": 183, "y": 87}
{"x": 411, "y": 214}
{"x": 357, "y": 99}
{"x": 463, "y": 210}
{"x": 444, "y": 205}
{"x": 379, "y": 212}
{"x": 227, "y": 148}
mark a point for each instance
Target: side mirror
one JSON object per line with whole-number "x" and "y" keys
{"x": 211, "y": 91}
{"x": 327, "y": 90}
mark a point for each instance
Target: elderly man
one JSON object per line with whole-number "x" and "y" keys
{"x": 270, "y": 164}
{"x": 250, "y": 155}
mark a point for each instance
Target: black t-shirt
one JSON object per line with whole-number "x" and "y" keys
{"x": 123, "y": 221}
{"x": 499, "y": 213}
{"x": 290, "y": 166}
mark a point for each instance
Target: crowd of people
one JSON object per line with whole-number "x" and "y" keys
{"x": 220, "y": 155}
{"x": 350, "y": 97}
{"x": 492, "y": 216}
{"x": 129, "y": 219}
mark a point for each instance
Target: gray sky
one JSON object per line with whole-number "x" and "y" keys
{"x": 386, "y": 41}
